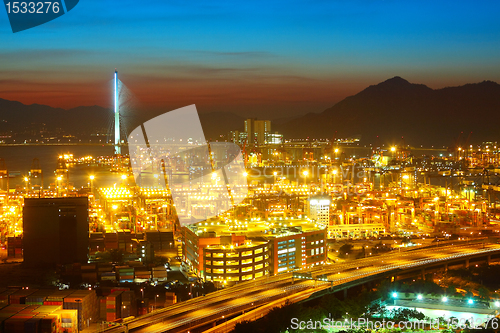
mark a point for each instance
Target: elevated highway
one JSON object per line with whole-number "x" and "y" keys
{"x": 260, "y": 295}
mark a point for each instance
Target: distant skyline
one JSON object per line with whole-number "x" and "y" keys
{"x": 254, "y": 59}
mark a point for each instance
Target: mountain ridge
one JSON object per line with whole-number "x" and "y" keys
{"x": 391, "y": 109}
{"x": 396, "y": 108}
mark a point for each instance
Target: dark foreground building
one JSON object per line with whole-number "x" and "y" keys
{"x": 56, "y": 231}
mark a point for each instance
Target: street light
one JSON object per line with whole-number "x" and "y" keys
{"x": 91, "y": 182}
{"x": 26, "y": 180}
{"x": 305, "y": 173}
{"x": 58, "y": 184}
{"x": 445, "y": 299}
{"x": 393, "y": 149}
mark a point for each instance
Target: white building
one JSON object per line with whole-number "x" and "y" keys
{"x": 318, "y": 209}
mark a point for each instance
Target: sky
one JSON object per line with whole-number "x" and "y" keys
{"x": 255, "y": 58}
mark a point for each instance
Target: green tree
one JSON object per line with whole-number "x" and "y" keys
{"x": 345, "y": 249}
{"x": 484, "y": 293}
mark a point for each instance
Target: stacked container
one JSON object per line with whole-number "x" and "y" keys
{"x": 111, "y": 241}
{"x": 38, "y": 297}
{"x": 113, "y": 305}
{"x": 14, "y": 247}
{"x": 102, "y": 308}
{"x": 170, "y": 298}
{"x": 129, "y": 304}
{"x": 142, "y": 273}
{"x": 89, "y": 273}
{"x": 85, "y": 302}
{"x": 19, "y": 296}
{"x": 125, "y": 274}
{"x": 57, "y": 297}
{"x": 159, "y": 273}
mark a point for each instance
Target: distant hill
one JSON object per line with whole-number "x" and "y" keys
{"x": 16, "y": 117}
{"x": 396, "y": 108}
{"x": 220, "y": 123}
{"x": 390, "y": 110}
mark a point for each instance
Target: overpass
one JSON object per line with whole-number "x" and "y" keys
{"x": 255, "y": 298}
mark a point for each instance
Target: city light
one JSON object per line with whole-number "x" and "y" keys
{"x": 419, "y": 297}
{"x": 445, "y": 299}
{"x": 394, "y": 295}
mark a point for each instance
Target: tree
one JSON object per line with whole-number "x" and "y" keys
{"x": 484, "y": 293}
{"x": 116, "y": 255}
{"x": 345, "y": 249}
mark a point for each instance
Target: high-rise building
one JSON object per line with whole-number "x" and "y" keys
{"x": 257, "y": 131}
{"x": 318, "y": 208}
{"x": 56, "y": 231}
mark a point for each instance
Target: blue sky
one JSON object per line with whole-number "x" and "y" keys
{"x": 285, "y": 57}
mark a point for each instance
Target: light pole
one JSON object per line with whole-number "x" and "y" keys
{"x": 393, "y": 150}
{"x": 91, "y": 183}
{"x": 305, "y": 173}
{"x": 26, "y": 186}
{"x": 114, "y": 208}
{"x": 58, "y": 184}
{"x": 334, "y": 173}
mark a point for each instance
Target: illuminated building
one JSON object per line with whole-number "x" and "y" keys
{"x": 231, "y": 263}
{"x": 274, "y": 138}
{"x": 233, "y": 251}
{"x": 292, "y": 248}
{"x": 257, "y": 131}
{"x": 318, "y": 209}
{"x": 145, "y": 251}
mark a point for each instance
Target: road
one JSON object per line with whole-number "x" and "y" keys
{"x": 182, "y": 317}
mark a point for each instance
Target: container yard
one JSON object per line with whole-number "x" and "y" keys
{"x": 47, "y": 311}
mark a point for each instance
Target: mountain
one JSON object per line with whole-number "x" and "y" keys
{"x": 17, "y": 117}
{"x": 397, "y": 108}
{"x": 36, "y": 119}
{"x": 392, "y": 109}
{"x": 216, "y": 124}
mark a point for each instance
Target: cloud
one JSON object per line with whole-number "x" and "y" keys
{"x": 43, "y": 54}
{"x": 243, "y": 54}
